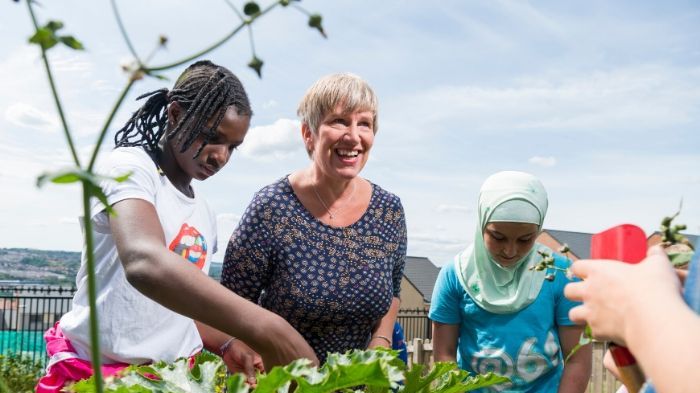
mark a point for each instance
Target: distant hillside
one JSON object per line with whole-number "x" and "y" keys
{"x": 49, "y": 267}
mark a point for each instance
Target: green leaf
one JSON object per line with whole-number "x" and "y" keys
{"x": 45, "y": 38}
{"x": 95, "y": 191}
{"x": 71, "y": 42}
{"x": 54, "y": 25}
{"x": 59, "y": 178}
{"x": 90, "y": 181}
{"x": 680, "y": 258}
{"x": 416, "y": 382}
{"x": 315, "y": 22}
{"x": 251, "y": 8}
{"x": 176, "y": 377}
{"x": 585, "y": 339}
{"x": 123, "y": 178}
{"x": 256, "y": 64}
{"x": 236, "y": 384}
{"x": 457, "y": 382}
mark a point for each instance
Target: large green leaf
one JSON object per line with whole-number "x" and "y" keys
{"x": 176, "y": 377}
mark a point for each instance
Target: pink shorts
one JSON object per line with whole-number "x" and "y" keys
{"x": 64, "y": 364}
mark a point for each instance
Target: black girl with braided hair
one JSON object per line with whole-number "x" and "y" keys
{"x": 150, "y": 256}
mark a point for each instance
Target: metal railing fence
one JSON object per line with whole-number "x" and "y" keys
{"x": 415, "y": 323}
{"x": 26, "y": 311}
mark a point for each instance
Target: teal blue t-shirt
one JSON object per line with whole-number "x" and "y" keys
{"x": 523, "y": 346}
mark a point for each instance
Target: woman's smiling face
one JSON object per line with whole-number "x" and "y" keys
{"x": 341, "y": 146}
{"x": 508, "y": 242}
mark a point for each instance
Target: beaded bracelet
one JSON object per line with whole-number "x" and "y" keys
{"x": 224, "y": 347}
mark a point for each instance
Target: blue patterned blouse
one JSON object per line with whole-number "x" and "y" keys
{"x": 332, "y": 284}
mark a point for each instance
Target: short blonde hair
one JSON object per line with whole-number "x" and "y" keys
{"x": 348, "y": 90}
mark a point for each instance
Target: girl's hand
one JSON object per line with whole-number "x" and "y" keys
{"x": 241, "y": 358}
{"x": 280, "y": 343}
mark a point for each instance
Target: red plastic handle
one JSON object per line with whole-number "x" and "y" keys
{"x": 626, "y": 243}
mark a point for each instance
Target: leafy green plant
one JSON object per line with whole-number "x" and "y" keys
{"x": 18, "y": 374}
{"x": 547, "y": 263}
{"x": 49, "y": 35}
{"x": 675, "y": 244}
{"x": 372, "y": 371}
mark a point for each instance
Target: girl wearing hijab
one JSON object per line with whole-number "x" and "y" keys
{"x": 492, "y": 312}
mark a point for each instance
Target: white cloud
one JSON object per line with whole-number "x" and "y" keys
{"x": 270, "y": 104}
{"x": 25, "y": 115}
{"x": 445, "y": 208}
{"x": 273, "y": 142}
{"x": 543, "y": 161}
{"x": 69, "y": 220}
{"x": 225, "y": 224}
{"x": 623, "y": 99}
{"x": 71, "y": 63}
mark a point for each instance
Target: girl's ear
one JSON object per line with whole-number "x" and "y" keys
{"x": 174, "y": 113}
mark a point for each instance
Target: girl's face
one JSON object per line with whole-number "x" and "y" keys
{"x": 508, "y": 242}
{"x": 341, "y": 146}
{"x": 215, "y": 155}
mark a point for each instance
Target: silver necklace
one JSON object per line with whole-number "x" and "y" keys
{"x": 328, "y": 210}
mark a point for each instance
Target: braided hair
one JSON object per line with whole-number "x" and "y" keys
{"x": 204, "y": 90}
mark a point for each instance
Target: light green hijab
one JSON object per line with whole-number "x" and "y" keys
{"x": 504, "y": 197}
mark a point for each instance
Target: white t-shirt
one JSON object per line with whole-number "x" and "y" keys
{"x": 133, "y": 328}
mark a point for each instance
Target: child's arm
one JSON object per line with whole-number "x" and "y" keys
{"x": 577, "y": 371}
{"x": 237, "y": 356}
{"x": 445, "y": 342}
{"x": 161, "y": 275}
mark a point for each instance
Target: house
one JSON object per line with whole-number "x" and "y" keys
{"x": 578, "y": 242}
{"x": 655, "y": 239}
{"x": 417, "y": 284}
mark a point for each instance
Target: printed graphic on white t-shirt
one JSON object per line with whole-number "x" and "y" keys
{"x": 191, "y": 245}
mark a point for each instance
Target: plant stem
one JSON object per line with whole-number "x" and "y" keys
{"x": 54, "y": 92}
{"x": 213, "y": 46}
{"x": 123, "y": 32}
{"x": 103, "y": 133}
{"x": 92, "y": 293}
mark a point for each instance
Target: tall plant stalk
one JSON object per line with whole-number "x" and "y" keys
{"x": 47, "y": 37}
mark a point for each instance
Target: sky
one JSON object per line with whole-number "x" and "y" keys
{"x": 599, "y": 99}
